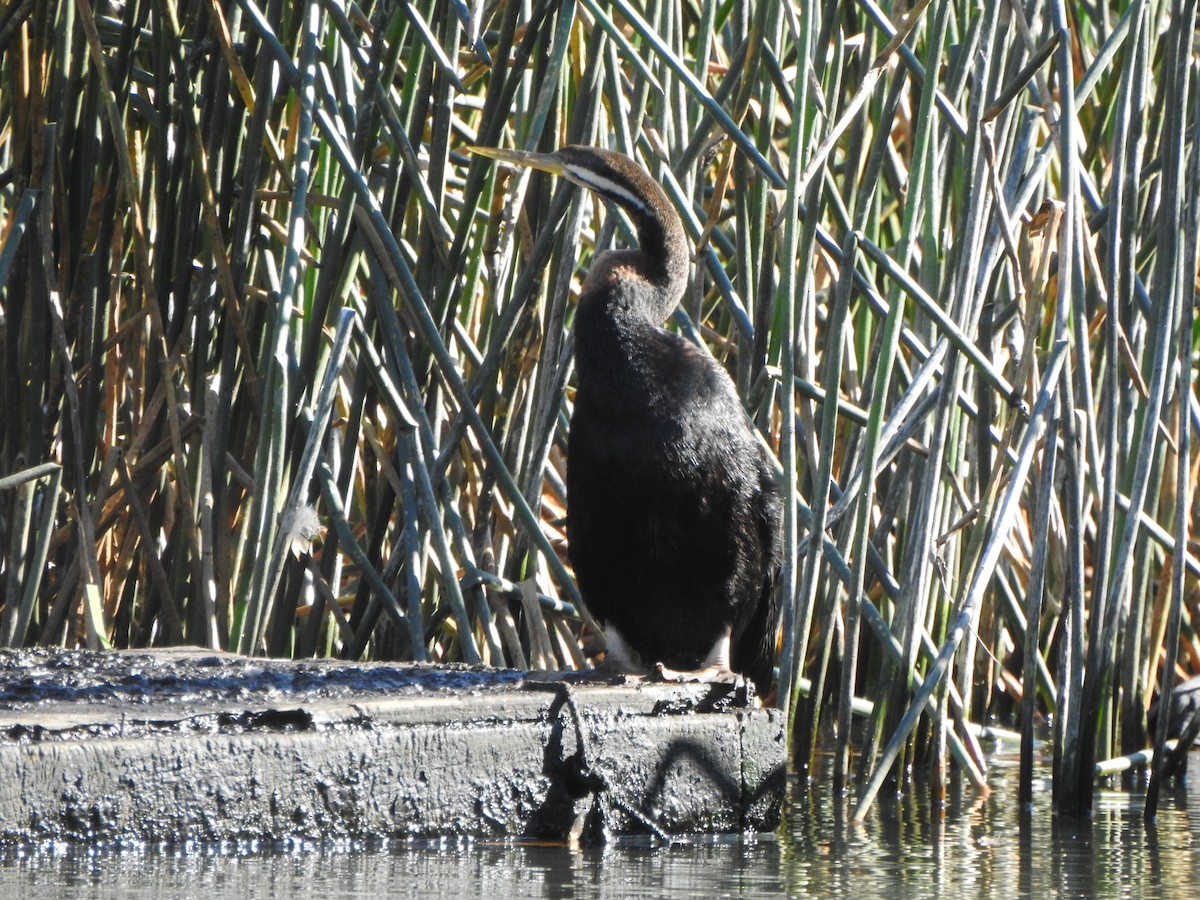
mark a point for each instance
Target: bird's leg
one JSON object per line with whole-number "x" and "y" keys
{"x": 714, "y": 668}
{"x": 619, "y": 657}
{"x": 621, "y": 664}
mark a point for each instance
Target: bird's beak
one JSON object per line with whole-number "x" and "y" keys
{"x": 547, "y": 162}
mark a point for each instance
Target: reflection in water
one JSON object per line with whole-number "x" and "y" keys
{"x": 982, "y": 847}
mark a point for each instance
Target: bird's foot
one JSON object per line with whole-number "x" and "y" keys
{"x": 731, "y": 685}
{"x": 712, "y": 674}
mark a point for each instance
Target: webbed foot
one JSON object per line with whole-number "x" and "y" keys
{"x": 711, "y": 674}
{"x": 727, "y": 684}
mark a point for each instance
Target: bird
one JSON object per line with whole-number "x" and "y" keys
{"x": 672, "y": 500}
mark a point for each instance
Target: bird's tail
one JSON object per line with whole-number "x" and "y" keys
{"x": 754, "y": 651}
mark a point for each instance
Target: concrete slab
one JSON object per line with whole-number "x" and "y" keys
{"x": 193, "y": 746}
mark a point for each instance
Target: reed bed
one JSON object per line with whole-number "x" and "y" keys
{"x": 286, "y": 371}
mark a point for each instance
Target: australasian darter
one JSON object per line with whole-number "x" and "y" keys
{"x": 672, "y": 504}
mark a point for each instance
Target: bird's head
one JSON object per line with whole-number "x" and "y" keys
{"x": 665, "y": 261}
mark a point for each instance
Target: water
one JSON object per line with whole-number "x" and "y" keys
{"x": 982, "y": 848}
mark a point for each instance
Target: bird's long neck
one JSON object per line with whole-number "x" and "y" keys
{"x": 662, "y": 246}
{"x": 653, "y": 276}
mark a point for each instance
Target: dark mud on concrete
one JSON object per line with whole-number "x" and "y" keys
{"x": 41, "y": 676}
{"x": 190, "y": 746}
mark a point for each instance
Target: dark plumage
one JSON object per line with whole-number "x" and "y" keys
{"x": 672, "y": 503}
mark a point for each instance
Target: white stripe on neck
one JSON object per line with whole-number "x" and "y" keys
{"x": 606, "y": 186}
